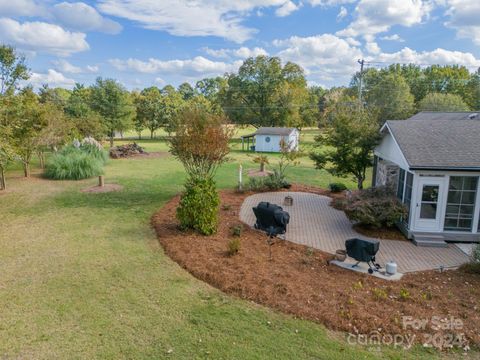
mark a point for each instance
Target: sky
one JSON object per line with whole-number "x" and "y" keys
{"x": 158, "y": 42}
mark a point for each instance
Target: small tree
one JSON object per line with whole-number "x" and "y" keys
{"x": 27, "y": 124}
{"x": 200, "y": 142}
{"x": 262, "y": 160}
{"x": 6, "y": 153}
{"x": 347, "y": 143}
{"x": 112, "y": 101}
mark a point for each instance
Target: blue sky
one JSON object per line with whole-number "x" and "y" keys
{"x": 157, "y": 42}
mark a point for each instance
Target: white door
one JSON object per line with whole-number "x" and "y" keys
{"x": 429, "y": 204}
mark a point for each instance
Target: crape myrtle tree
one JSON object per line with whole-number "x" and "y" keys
{"x": 113, "y": 102}
{"x": 346, "y": 144}
{"x": 200, "y": 142}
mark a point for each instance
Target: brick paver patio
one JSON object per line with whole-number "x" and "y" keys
{"x": 313, "y": 222}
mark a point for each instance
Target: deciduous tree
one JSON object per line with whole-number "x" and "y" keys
{"x": 112, "y": 101}
{"x": 345, "y": 146}
{"x": 442, "y": 102}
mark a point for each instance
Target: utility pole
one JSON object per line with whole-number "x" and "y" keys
{"x": 361, "y": 62}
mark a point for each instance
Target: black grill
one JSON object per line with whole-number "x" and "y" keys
{"x": 271, "y": 218}
{"x": 363, "y": 251}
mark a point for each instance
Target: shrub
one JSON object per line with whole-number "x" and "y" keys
{"x": 237, "y": 230}
{"x": 198, "y": 209}
{"x": 72, "y": 165}
{"x": 337, "y": 187}
{"x": 233, "y": 246}
{"x": 404, "y": 294}
{"x": 257, "y": 183}
{"x": 375, "y": 207}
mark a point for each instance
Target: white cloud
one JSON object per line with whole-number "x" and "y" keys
{"x": 52, "y": 78}
{"x": 326, "y": 58}
{"x": 342, "y": 13}
{"x": 222, "y": 18}
{"x": 464, "y": 17}
{"x": 64, "y": 66}
{"x": 20, "y": 8}
{"x": 394, "y": 37}
{"x": 331, "y": 60}
{"x": 328, "y": 3}
{"x": 198, "y": 66}
{"x": 438, "y": 56}
{"x": 377, "y": 16}
{"x": 93, "y": 68}
{"x": 83, "y": 17}
{"x": 286, "y": 9}
{"x": 41, "y": 37}
{"x": 242, "y": 53}
{"x": 372, "y": 47}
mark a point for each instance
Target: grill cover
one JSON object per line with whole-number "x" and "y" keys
{"x": 362, "y": 250}
{"x": 271, "y": 218}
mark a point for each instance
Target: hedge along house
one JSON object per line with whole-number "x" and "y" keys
{"x": 432, "y": 160}
{"x": 268, "y": 139}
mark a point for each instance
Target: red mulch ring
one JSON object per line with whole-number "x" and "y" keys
{"x": 258, "y": 173}
{"x": 299, "y": 280}
{"x": 103, "y": 189}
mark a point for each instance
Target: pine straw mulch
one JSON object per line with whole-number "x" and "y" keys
{"x": 299, "y": 280}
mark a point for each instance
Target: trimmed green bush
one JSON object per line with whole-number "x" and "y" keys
{"x": 73, "y": 165}
{"x": 337, "y": 187}
{"x": 198, "y": 209}
{"x": 375, "y": 207}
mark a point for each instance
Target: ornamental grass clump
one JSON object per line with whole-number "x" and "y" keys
{"x": 77, "y": 161}
{"x": 199, "y": 140}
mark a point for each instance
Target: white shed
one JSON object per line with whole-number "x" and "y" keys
{"x": 432, "y": 160}
{"x": 268, "y": 139}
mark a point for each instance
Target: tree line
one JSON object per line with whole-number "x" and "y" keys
{"x": 263, "y": 92}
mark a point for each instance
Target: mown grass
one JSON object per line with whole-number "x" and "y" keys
{"x": 83, "y": 276}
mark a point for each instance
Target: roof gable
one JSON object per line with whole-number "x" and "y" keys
{"x": 439, "y": 140}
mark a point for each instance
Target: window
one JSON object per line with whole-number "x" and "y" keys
{"x": 428, "y": 205}
{"x": 401, "y": 184}
{"x": 407, "y": 199}
{"x": 462, "y": 192}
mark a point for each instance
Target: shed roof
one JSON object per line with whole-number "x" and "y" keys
{"x": 274, "y": 131}
{"x": 439, "y": 140}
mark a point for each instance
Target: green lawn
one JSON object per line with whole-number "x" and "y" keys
{"x": 83, "y": 276}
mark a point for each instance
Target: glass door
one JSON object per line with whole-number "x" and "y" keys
{"x": 429, "y": 203}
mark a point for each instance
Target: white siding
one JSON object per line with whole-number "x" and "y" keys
{"x": 262, "y": 145}
{"x": 389, "y": 150}
{"x": 273, "y": 145}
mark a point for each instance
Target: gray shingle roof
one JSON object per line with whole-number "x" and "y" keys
{"x": 274, "y": 131}
{"x": 439, "y": 140}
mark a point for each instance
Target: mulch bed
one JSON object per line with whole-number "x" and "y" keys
{"x": 150, "y": 155}
{"x": 299, "y": 280}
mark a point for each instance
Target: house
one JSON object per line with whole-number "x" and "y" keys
{"x": 268, "y": 139}
{"x": 432, "y": 160}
